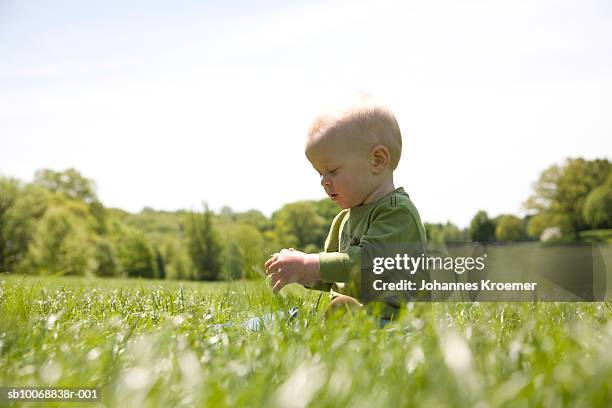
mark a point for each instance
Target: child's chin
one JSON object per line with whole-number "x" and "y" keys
{"x": 342, "y": 204}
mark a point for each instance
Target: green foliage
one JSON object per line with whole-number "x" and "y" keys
{"x": 604, "y": 235}
{"x": 20, "y": 209}
{"x": 69, "y": 182}
{"x": 539, "y": 222}
{"x": 73, "y": 185}
{"x": 99, "y": 214}
{"x": 254, "y": 218}
{"x": 178, "y": 264}
{"x": 271, "y": 242}
{"x": 244, "y": 253}
{"x": 445, "y": 233}
{"x": 232, "y": 261}
{"x": 60, "y": 245}
{"x": 561, "y": 191}
{"x": 509, "y": 228}
{"x": 160, "y": 264}
{"x": 298, "y": 225}
{"x": 158, "y": 225}
{"x": 327, "y": 210}
{"x": 204, "y": 245}
{"x": 106, "y": 258}
{"x": 181, "y": 245}
{"x": 135, "y": 252}
{"x": 482, "y": 228}
{"x": 170, "y": 244}
{"x": 597, "y": 211}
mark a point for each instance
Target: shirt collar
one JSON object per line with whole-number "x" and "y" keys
{"x": 362, "y": 209}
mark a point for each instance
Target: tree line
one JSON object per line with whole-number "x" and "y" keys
{"x": 56, "y": 225}
{"x": 572, "y": 200}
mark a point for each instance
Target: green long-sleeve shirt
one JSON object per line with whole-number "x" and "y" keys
{"x": 392, "y": 219}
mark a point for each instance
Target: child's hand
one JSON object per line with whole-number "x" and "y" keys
{"x": 289, "y": 265}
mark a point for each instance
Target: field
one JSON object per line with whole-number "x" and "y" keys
{"x": 149, "y": 343}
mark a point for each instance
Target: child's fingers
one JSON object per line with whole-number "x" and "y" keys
{"x": 280, "y": 283}
{"x": 270, "y": 261}
{"x": 277, "y": 276}
{"x": 273, "y": 279}
{"x": 273, "y": 268}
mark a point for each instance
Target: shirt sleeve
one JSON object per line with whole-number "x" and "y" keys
{"x": 389, "y": 225}
{"x": 319, "y": 285}
{"x": 331, "y": 245}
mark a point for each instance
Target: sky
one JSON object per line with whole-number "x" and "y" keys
{"x": 169, "y": 104}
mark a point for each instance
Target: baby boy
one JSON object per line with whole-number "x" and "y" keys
{"x": 355, "y": 151}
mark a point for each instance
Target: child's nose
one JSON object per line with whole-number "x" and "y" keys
{"x": 324, "y": 181}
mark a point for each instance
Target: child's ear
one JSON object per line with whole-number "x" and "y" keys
{"x": 380, "y": 158}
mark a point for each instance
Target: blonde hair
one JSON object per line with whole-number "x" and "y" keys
{"x": 372, "y": 120}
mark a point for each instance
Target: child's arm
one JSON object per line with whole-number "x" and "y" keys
{"x": 393, "y": 225}
{"x": 390, "y": 227}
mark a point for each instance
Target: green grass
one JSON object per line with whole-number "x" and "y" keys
{"x": 148, "y": 343}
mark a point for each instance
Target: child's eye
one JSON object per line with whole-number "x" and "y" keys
{"x": 332, "y": 172}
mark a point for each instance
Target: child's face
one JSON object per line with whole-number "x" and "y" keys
{"x": 346, "y": 174}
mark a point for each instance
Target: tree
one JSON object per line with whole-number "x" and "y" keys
{"x": 232, "y": 261}
{"x": 452, "y": 233}
{"x": 327, "y": 209}
{"x": 561, "y": 191}
{"x": 204, "y": 245}
{"x": 434, "y": 232}
{"x": 482, "y": 228}
{"x": 73, "y": 185}
{"x": 106, "y": 259}
{"x": 445, "y": 233}
{"x": 597, "y": 211}
{"x": 98, "y": 212}
{"x": 509, "y": 228}
{"x": 539, "y": 222}
{"x": 178, "y": 265}
{"x": 298, "y": 225}
{"x": 20, "y": 209}
{"x": 254, "y": 218}
{"x": 244, "y": 252}
{"x": 9, "y": 191}
{"x": 136, "y": 253}
{"x": 161, "y": 266}
{"x": 60, "y": 245}
{"x": 227, "y": 213}
{"x": 69, "y": 182}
